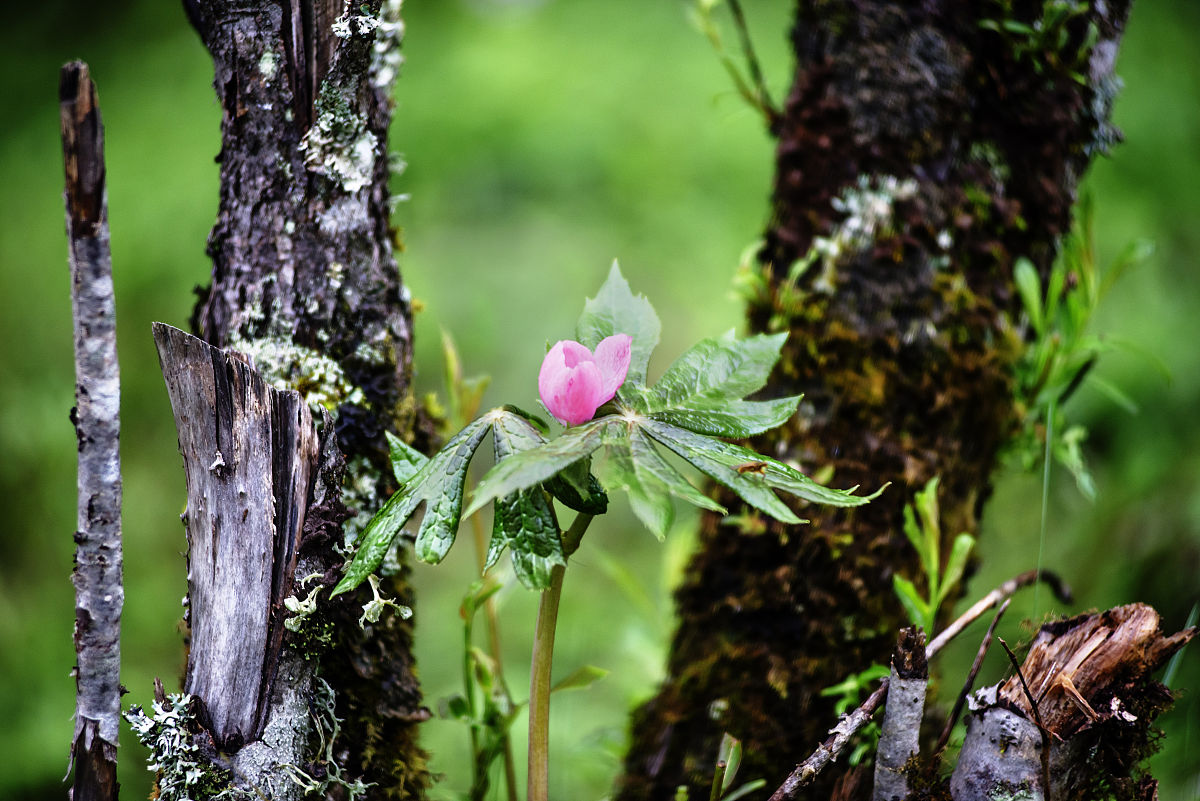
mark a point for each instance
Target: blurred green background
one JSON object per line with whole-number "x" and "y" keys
{"x": 544, "y": 139}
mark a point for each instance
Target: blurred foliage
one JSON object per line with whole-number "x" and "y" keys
{"x": 544, "y": 138}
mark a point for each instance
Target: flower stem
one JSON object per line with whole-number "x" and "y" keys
{"x": 493, "y": 627}
{"x": 539, "y": 680}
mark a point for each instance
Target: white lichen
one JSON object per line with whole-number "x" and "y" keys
{"x": 867, "y": 207}
{"x": 348, "y": 25}
{"x": 184, "y": 772}
{"x": 386, "y": 58}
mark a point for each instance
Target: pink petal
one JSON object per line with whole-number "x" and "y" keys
{"x": 573, "y": 352}
{"x": 612, "y": 357}
{"x": 569, "y": 384}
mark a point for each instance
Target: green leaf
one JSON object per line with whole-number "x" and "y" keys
{"x": 729, "y": 752}
{"x": 585, "y": 676}
{"x": 726, "y": 368}
{"x": 406, "y": 460}
{"x": 914, "y": 605}
{"x": 523, "y": 470}
{"x": 616, "y": 310}
{"x": 745, "y": 790}
{"x": 648, "y": 495}
{"x": 702, "y": 390}
{"x": 633, "y": 463}
{"x": 1029, "y": 286}
{"x": 438, "y": 484}
{"x": 736, "y": 419}
{"x": 523, "y": 520}
{"x": 578, "y": 489}
{"x": 751, "y": 475}
{"x": 955, "y": 565}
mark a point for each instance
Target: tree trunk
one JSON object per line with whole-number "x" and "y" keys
{"x": 306, "y": 295}
{"x": 920, "y": 154}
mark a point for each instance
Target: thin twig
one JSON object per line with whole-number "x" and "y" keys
{"x": 752, "y": 63}
{"x": 1037, "y": 716}
{"x": 848, "y": 726}
{"x": 970, "y": 682}
{"x": 1060, "y": 589}
{"x": 99, "y": 593}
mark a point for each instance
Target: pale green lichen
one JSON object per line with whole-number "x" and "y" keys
{"x": 318, "y": 378}
{"x": 338, "y": 145}
{"x": 386, "y": 58}
{"x": 268, "y": 63}
{"x": 184, "y": 773}
{"x": 374, "y": 608}
{"x": 301, "y": 609}
{"x": 327, "y": 726}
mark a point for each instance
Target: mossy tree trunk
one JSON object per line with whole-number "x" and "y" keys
{"x": 306, "y": 287}
{"x": 920, "y": 154}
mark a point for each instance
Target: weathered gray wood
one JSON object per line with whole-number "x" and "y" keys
{"x": 900, "y": 734}
{"x": 99, "y": 595}
{"x": 248, "y": 451}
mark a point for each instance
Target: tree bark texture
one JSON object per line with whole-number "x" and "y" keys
{"x": 919, "y": 155}
{"x": 99, "y": 592}
{"x": 306, "y": 289}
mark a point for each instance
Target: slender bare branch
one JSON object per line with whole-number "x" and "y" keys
{"x": 1059, "y": 587}
{"x": 99, "y": 594}
{"x": 970, "y": 682}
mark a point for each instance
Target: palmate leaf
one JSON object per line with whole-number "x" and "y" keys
{"x": 523, "y": 523}
{"x": 616, "y": 310}
{"x": 703, "y": 390}
{"x": 523, "y": 520}
{"x": 438, "y": 484}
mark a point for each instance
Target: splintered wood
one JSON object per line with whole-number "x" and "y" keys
{"x": 1076, "y": 664}
{"x": 248, "y": 452}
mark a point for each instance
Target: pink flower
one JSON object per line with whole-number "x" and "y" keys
{"x": 574, "y": 383}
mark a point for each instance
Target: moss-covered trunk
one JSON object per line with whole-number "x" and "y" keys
{"x": 920, "y": 153}
{"x": 305, "y": 284}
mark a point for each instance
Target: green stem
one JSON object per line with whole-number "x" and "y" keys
{"x": 493, "y": 626}
{"x": 539, "y": 680}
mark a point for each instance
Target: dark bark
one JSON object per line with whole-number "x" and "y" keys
{"x": 99, "y": 593}
{"x": 919, "y": 156}
{"x": 305, "y": 288}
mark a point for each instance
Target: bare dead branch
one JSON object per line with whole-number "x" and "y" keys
{"x": 99, "y": 594}
{"x": 900, "y": 734}
{"x": 970, "y": 682}
{"x": 1059, "y": 587}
